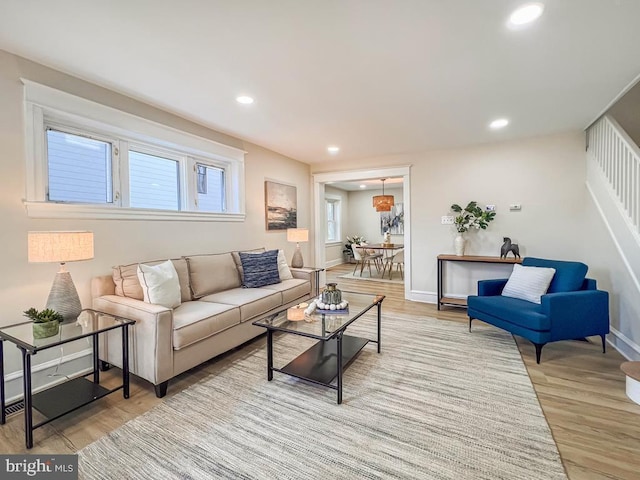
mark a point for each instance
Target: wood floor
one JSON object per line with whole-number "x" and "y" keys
{"x": 596, "y": 427}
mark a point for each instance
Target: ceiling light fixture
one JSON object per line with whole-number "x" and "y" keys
{"x": 525, "y": 14}
{"x": 383, "y": 203}
{"x": 363, "y": 186}
{"x": 499, "y": 123}
{"x": 244, "y": 99}
{"x": 333, "y": 149}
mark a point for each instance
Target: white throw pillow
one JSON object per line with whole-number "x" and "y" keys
{"x": 528, "y": 283}
{"x": 283, "y": 268}
{"x": 160, "y": 284}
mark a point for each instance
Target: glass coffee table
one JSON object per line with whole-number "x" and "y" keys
{"x": 74, "y": 393}
{"x": 327, "y": 359}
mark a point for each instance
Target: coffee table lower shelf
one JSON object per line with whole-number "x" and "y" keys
{"x": 319, "y": 364}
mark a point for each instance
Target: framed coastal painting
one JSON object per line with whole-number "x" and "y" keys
{"x": 281, "y": 206}
{"x": 393, "y": 220}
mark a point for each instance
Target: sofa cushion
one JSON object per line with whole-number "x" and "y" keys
{"x": 291, "y": 289}
{"x": 212, "y": 273}
{"x": 260, "y": 269}
{"x": 195, "y": 321}
{"x": 252, "y": 301}
{"x": 238, "y": 262}
{"x": 528, "y": 283}
{"x": 513, "y": 310}
{"x": 160, "y": 284}
{"x": 283, "y": 267}
{"x": 569, "y": 275}
{"x": 125, "y": 278}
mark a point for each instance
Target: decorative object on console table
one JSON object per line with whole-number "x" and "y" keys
{"x": 61, "y": 247}
{"x": 507, "y": 247}
{"x": 469, "y": 217}
{"x": 297, "y": 235}
{"x": 281, "y": 205}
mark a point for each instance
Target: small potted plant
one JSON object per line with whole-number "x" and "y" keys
{"x": 46, "y": 323}
{"x": 348, "y": 247}
{"x": 471, "y": 216}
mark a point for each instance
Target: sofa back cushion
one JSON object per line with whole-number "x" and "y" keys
{"x": 569, "y": 276}
{"x": 212, "y": 274}
{"x": 125, "y": 278}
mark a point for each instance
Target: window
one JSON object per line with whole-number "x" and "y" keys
{"x": 333, "y": 219}
{"x": 79, "y": 168}
{"x": 101, "y": 163}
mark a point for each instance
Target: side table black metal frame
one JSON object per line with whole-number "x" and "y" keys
{"x": 64, "y": 398}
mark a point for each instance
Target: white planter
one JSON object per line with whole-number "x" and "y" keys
{"x": 458, "y": 243}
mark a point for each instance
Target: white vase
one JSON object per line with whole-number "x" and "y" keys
{"x": 458, "y": 243}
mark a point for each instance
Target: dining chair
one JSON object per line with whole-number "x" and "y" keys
{"x": 398, "y": 260}
{"x": 363, "y": 257}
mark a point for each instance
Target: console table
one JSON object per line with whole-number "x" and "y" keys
{"x": 462, "y": 302}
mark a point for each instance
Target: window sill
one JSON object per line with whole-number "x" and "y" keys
{"x": 106, "y": 212}
{"x": 332, "y": 244}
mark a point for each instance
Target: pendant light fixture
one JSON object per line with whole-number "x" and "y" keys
{"x": 383, "y": 203}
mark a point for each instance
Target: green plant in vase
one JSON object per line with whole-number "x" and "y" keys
{"x": 467, "y": 218}
{"x": 46, "y": 323}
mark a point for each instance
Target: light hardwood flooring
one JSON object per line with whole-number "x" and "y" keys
{"x": 582, "y": 393}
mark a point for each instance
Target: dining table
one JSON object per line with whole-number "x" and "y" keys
{"x": 387, "y": 250}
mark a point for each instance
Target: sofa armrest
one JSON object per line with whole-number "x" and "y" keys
{"x": 151, "y": 350}
{"x": 490, "y": 288}
{"x": 309, "y": 274}
{"x": 577, "y": 314}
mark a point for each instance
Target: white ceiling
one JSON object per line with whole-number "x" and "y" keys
{"x": 373, "y": 76}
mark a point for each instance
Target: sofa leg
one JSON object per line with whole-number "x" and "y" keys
{"x": 604, "y": 344}
{"x": 538, "y": 350}
{"x": 161, "y": 389}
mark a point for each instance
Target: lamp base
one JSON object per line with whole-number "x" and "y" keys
{"x": 296, "y": 261}
{"x": 63, "y": 297}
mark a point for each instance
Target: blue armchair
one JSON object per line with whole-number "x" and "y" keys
{"x": 572, "y": 308}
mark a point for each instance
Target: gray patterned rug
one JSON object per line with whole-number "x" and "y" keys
{"x": 437, "y": 403}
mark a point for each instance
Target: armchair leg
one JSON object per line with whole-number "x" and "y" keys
{"x": 470, "y": 319}
{"x": 604, "y": 345}
{"x": 538, "y": 351}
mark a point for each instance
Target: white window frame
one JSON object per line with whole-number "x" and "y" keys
{"x": 48, "y": 107}
{"x": 337, "y": 209}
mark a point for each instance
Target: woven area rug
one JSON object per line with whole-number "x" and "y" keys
{"x": 375, "y": 277}
{"x": 437, "y": 403}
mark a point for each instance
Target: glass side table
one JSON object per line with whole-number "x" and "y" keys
{"x": 74, "y": 393}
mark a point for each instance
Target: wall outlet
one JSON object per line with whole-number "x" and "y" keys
{"x": 515, "y": 207}
{"x": 490, "y": 208}
{"x": 446, "y": 220}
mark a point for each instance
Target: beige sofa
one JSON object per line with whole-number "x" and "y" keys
{"x": 215, "y": 315}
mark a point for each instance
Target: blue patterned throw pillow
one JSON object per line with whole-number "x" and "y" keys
{"x": 260, "y": 269}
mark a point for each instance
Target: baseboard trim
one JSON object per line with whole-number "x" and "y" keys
{"x": 333, "y": 263}
{"x": 422, "y": 296}
{"x": 623, "y": 344}
{"x": 75, "y": 364}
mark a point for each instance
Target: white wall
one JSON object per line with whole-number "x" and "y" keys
{"x": 333, "y": 250}
{"x": 626, "y": 111}
{"x": 546, "y": 175}
{"x": 363, "y": 218}
{"x": 23, "y": 285}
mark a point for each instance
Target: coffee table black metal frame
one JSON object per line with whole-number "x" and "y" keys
{"x": 77, "y": 392}
{"x": 327, "y": 359}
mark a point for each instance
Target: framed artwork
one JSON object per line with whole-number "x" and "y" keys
{"x": 281, "y": 206}
{"x": 393, "y": 220}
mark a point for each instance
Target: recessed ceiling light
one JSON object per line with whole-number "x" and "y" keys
{"x": 363, "y": 186}
{"x": 244, "y": 99}
{"x": 333, "y": 149}
{"x": 527, "y": 13}
{"x": 499, "y": 123}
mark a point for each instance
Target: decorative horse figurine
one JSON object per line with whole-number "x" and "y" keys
{"x": 509, "y": 247}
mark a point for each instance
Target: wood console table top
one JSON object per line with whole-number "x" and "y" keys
{"x": 478, "y": 258}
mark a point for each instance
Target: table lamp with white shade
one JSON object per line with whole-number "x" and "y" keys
{"x": 61, "y": 247}
{"x": 297, "y": 235}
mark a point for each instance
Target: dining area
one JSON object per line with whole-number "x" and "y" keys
{"x": 379, "y": 260}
